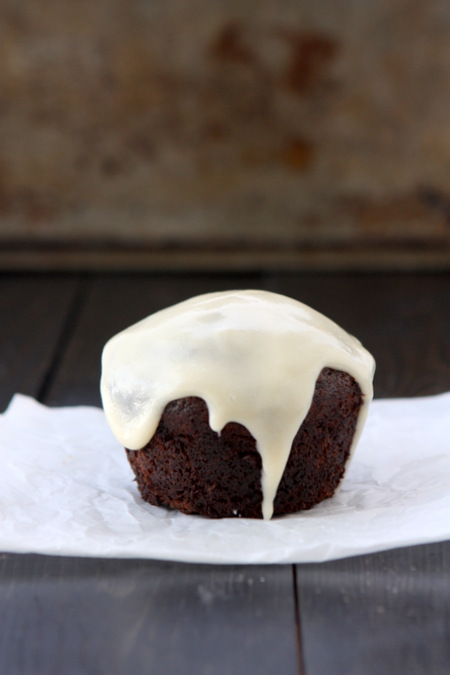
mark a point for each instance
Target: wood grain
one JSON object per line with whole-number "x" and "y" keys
{"x": 383, "y": 613}
{"x": 378, "y": 614}
{"x": 33, "y": 314}
{"x": 69, "y": 615}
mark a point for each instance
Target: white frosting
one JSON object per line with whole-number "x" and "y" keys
{"x": 253, "y": 356}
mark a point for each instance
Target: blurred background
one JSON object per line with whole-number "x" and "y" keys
{"x": 224, "y": 134}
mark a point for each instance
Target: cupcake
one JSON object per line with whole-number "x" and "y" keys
{"x": 237, "y": 404}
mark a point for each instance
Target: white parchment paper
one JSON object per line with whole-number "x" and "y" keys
{"x": 67, "y": 489}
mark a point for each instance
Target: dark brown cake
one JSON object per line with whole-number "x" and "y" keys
{"x": 189, "y": 467}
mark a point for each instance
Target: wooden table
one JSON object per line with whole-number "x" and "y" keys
{"x": 384, "y": 613}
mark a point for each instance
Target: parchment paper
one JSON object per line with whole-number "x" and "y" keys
{"x": 67, "y": 489}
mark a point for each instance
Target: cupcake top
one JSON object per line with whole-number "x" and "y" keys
{"x": 253, "y": 356}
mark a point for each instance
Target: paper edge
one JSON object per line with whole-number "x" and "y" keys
{"x": 190, "y": 558}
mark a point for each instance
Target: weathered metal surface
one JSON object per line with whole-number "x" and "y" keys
{"x": 272, "y": 123}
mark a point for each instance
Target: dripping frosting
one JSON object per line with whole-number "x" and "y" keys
{"x": 253, "y": 356}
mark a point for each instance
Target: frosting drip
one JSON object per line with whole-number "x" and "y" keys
{"x": 253, "y": 356}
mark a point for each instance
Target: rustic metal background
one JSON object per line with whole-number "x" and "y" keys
{"x": 270, "y": 130}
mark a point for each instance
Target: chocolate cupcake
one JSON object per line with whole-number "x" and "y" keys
{"x": 241, "y": 403}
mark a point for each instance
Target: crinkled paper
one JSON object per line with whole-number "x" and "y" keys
{"x": 67, "y": 489}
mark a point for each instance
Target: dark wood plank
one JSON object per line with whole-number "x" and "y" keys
{"x": 34, "y": 310}
{"x": 113, "y": 616}
{"x": 384, "y": 613}
{"x": 381, "y": 613}
{"x": 378, "y": 614}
